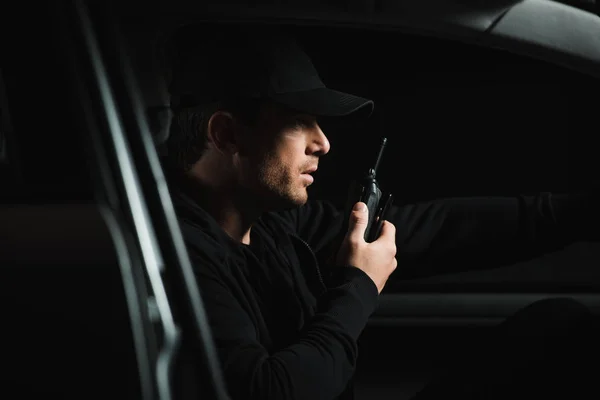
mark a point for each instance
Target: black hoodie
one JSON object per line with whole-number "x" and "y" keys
{"x": 286, "y": 324}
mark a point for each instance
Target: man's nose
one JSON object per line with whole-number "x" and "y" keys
{"x": 319, "y": 144}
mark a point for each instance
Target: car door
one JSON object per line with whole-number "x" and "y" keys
{"x": 67, "y": 326}
{"x": 86, "y": 242}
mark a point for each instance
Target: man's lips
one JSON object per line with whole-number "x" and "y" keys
{"x": 307, "y": 176}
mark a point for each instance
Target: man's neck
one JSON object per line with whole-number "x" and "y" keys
{"x": 225, "y": 204}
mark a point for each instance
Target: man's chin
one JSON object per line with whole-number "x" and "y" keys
{"x": 300, "y": 199}
{"x": 288, "y": 202}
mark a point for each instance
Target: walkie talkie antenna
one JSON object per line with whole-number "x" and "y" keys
{"x": 373, "y": 171}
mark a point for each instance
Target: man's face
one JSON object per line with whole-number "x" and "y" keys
{"x": 283, "y": 151}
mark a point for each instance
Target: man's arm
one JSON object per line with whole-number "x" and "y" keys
{"x": 457, "y": 234}
{"x": 320, "y": 362}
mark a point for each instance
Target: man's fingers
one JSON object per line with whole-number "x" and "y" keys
{"x": 359, "y": 218}
{"x": 388, "y": 230}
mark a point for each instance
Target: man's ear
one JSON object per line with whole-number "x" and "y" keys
{"x": 221, "y": 132}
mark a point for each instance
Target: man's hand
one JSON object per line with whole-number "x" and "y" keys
{"x": 376, "y": 259}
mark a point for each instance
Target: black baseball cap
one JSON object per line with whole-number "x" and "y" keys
{"x": 267, "y": 65}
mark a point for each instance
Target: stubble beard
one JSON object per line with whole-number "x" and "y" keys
{"x": 278, "y": 188}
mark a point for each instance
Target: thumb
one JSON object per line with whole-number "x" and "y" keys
{"x": 359, "y": 218}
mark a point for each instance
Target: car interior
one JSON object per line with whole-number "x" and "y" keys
{"x": 475, "y": 98}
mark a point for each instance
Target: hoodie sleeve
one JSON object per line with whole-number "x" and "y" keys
{"x": 317, "y": 366}
{"x": 457, "y": 234}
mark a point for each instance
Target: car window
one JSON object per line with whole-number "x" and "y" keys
{"x": 5, "y": 168}
{"x": 49, "y": 163}
{"x": 3, "y": 156}
{"x": 462, "y": 120}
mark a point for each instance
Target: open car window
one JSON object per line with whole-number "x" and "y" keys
{"x": 3, "y": 152}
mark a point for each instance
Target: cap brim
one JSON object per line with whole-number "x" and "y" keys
{"x": 325, "y": 102}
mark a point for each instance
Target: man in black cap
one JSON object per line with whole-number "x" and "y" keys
{"x": 244, "y": 143}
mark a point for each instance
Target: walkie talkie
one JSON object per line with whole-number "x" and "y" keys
{"x": 367, "y": 190}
